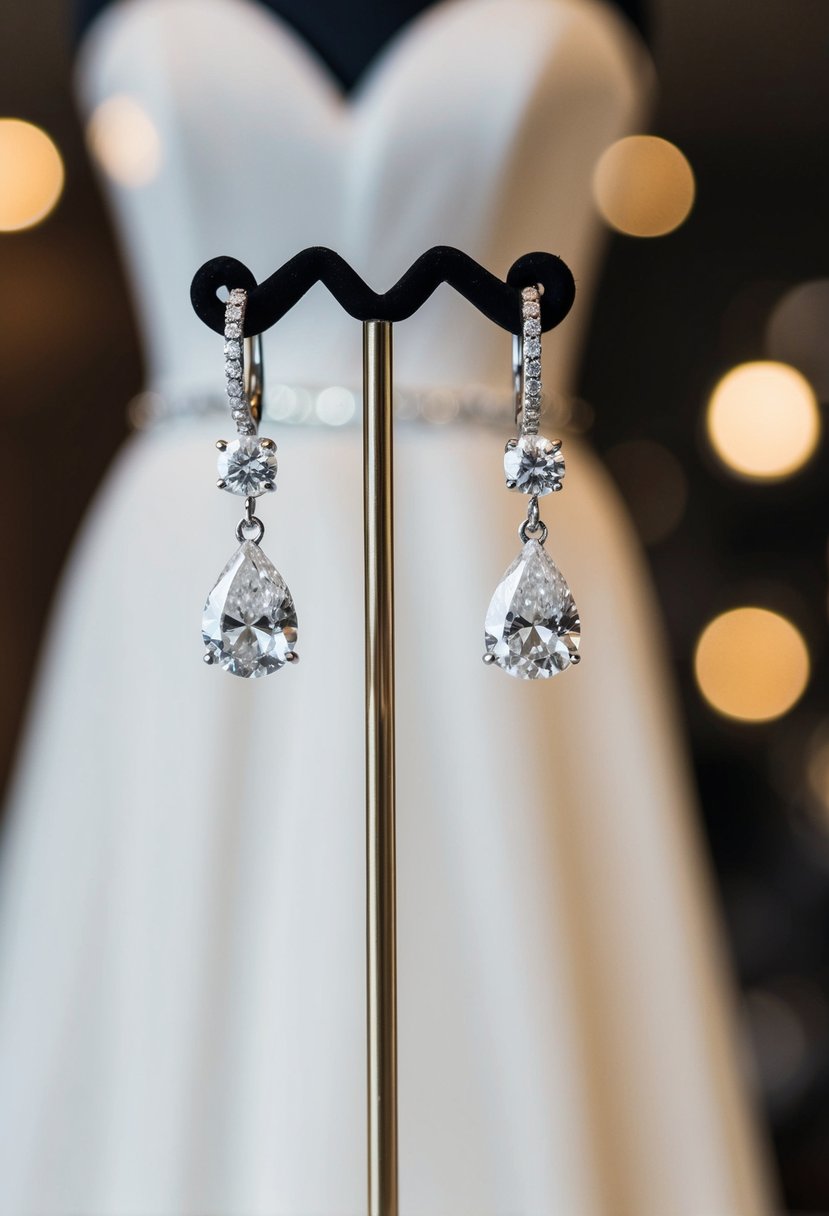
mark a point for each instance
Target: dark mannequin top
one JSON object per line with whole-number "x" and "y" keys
{"x": 346, "y": 36}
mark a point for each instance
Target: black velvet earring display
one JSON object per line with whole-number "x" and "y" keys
{"x": 498, "y": 300}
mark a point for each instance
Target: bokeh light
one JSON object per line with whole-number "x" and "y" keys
{"x": 441, "y": 407}
{"x": 123, "y": 140}
{"x": 797, "y": 331}
{"x": 817, "y": 773}
{"x": 777, "y": 1037}
{"x": 31, "y": 175}
{"x": 763, "y": 420}
{"x": 643, "y": 186}
{"x": 751, "y": 664}
{"x": 336, "y": 405}
{"x": 653, "y": 485}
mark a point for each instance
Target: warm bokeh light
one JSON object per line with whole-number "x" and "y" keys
{"x": 796, "y": 332}
{"x": 751, "y": 664}
{"x": 777, "y": 1037}
{"x": 817, "y": 772}
{"x": 653, "y": 485}
{"x": 124, "y": 141}
{"x": 643, "y": 186}
{"x": 763, "y": 420}
{"x": 31, "y": 175}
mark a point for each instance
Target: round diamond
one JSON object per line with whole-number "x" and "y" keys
{"x": 532, "y": 328}
{"x": 532, "y": 348}
{"x": 531, "y": 309}
{"x": 534, "y": 465}
{"x": 233, "y": 330}
{"x": 532, "y": 386}
{"x": 246, "y": 467}
{"x": 233, "y": 349}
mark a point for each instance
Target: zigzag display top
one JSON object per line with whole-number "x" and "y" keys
{"x": 500, "y": 301}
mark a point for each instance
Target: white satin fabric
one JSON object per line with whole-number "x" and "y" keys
{"x": 181, "y": 933}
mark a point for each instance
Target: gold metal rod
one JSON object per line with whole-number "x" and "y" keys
{"x": 381, "y": 912}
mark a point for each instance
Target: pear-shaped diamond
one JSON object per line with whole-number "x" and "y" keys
{"x": 249, "y": 623}
{"x": 532, "y": 624}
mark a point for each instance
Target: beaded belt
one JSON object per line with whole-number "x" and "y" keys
{"x": 338, "y": 406}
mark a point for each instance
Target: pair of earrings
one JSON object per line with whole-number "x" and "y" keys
{"x": 249, "y": 624}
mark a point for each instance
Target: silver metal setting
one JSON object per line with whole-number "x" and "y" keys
{"x": 532, "y": 527}
{"x": 250, "y": 527}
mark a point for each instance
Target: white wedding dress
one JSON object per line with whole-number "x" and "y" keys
{"x": 181, "y": 931}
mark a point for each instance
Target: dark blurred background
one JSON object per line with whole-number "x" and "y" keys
{"x": 744, "y": 93}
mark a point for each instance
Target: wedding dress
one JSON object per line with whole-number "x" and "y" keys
{"x": 181, "y": 932}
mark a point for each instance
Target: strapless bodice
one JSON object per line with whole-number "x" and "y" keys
{"x": 478, "y": 127}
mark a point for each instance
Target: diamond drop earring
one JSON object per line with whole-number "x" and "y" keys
{"x": 249, "y": 622}
{"x": 532, "y": 628}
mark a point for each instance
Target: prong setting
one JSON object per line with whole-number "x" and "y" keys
{"x": 534, "y": 465}
{"x": 248, "y": 466}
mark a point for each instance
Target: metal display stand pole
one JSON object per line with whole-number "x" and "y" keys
{"x": 381, "y": 911}
{"x": 267, "y": 303}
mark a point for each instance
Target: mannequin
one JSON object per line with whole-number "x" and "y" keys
{"x": 346, "y": 37}
{"x": 181, "y": 940}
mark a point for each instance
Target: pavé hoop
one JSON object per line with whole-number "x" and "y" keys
{"x": 526, "y": 363}
{"x": 532, "y": 464}
{"x": 244, "y": 395}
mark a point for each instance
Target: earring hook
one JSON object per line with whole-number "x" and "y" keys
{"x": 255, "y": 376}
